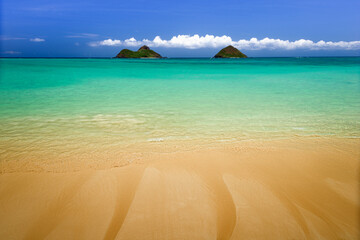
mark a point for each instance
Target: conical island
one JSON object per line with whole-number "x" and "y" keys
{"x": 230, "y": 52}
{"x": 143, "y": 52}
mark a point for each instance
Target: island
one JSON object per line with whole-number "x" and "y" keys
{"x": 230, "y": 52}
{"x": 143, "y": 52}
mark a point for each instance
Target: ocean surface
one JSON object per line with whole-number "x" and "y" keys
{"x": 64, "y": 104}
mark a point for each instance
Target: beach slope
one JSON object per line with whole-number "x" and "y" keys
{"x": 270, "y": 190}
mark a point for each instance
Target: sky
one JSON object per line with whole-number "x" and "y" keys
{"x": 183, "y": 28}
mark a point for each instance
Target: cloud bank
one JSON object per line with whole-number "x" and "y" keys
{"x": 37, "y": 40}
{"x": 211, "y": 41}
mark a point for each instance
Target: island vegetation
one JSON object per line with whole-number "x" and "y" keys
{"x": 230, "y": 52}
{"x": 143, "y": 52}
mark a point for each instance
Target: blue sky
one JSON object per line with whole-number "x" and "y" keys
{"x": 68, "y": 28}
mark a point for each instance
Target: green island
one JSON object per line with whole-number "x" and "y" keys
{"x": 230, "y": 52}
{"x": 143, "y": 52}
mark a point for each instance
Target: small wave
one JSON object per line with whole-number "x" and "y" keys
{"x": 155, "y": 139}
{"x": 352, "y": 137}
{"x": 298, "y": 128}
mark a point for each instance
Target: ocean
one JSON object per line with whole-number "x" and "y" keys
{"x": 73, "y": 105}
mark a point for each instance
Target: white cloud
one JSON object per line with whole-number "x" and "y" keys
{"x": 37, "y": 40}
{"x": 12, "y": 52}
{"x": 268, "y": 43}
{"x": 107, "y": 42}
{"x": 83, "y": 35}
{"x": 131, "y": 42}
{"x": 211, "y": 41}
{"x": 4, "y": 38}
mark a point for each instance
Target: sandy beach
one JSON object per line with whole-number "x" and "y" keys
{"x": 179, "y": 120}
{"x": 304, "y": 188}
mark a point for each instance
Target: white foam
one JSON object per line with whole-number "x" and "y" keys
{"x": 155, "y": 139}
{"x": 298, "y": 128}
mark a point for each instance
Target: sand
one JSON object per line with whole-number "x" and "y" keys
{"x": 284, "y": 189}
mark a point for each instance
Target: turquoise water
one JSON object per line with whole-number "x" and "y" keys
{"x": 94, "y": 102}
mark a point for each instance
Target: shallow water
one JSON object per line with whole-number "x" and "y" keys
{"x": 67, "y": 104}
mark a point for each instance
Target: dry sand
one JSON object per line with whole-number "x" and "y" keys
{"x": 284, "y": 189}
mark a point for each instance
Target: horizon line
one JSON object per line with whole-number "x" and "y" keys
{"x": 193, "y": 57}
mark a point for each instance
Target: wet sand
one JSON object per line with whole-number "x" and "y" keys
{"x": 303, "y": 188}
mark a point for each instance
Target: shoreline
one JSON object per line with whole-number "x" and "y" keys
{"x": 146, "y": 152}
